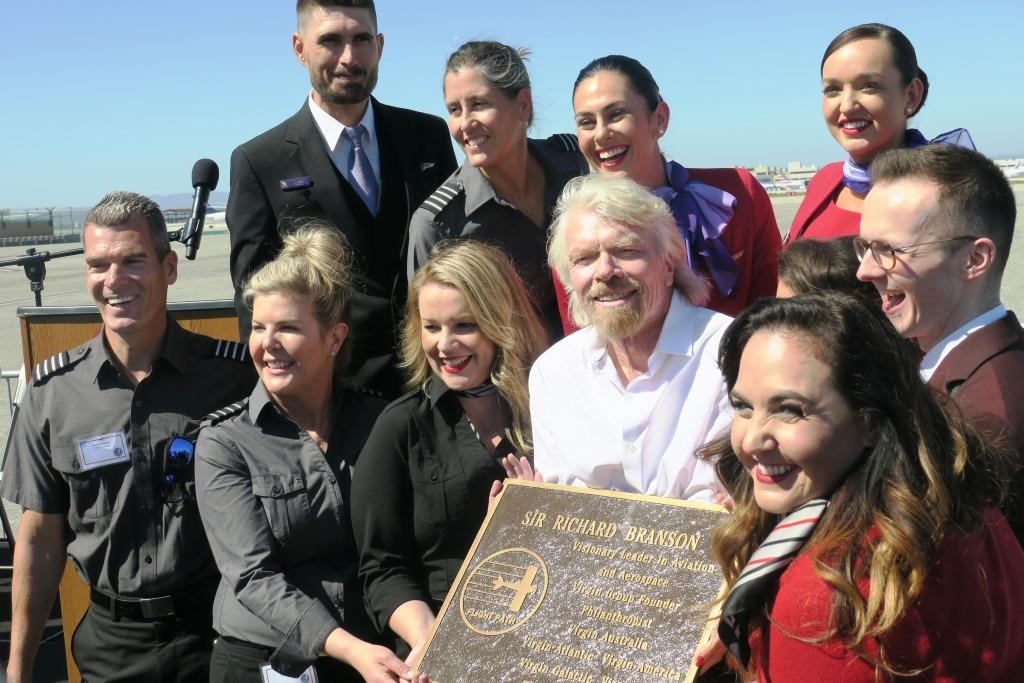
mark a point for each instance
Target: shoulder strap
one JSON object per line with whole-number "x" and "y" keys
{"x": 435, "y": 203}
{"x": 226, "y": 412}
{"x": 52, "y": 365}
{"x": 566, "y": 142}
{"x": 231, "y": 350}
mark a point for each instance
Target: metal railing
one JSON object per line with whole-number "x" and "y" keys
{"x": 9, "y": 376}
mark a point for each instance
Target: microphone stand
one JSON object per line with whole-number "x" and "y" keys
{"x": 34, "y": 263}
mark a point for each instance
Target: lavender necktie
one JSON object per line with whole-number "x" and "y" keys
{"x": 360, "y": 172}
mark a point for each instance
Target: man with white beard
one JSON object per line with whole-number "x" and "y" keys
{"x": 624, "y": 403}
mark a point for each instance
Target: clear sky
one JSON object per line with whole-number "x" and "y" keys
{"x": 104, "y": 95}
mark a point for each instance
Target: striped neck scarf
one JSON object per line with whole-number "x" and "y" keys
{"x": 761, "y": 575}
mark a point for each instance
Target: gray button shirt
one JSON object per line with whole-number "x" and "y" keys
{"x": 276, "y": 510}
{"x": 467, "y": 207}
{"x": 124, "y": 539}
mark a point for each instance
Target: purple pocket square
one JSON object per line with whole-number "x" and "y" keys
{"x": 293, "y": 184}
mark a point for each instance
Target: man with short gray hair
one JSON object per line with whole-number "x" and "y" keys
{"x": 101, "y": 463}
{"x": 624, "y": 403}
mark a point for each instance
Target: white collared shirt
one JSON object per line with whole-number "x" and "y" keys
{"x": 933, "y": 359}
{"x": 338, "y": 146}
{"x": 590, "y": 430}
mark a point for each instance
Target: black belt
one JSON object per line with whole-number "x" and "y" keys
{"x": 137, "y": 608}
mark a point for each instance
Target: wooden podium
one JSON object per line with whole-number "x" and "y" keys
{"x": 49, "y": 330}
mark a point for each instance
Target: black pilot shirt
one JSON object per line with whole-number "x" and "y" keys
{"x": 418, "y": 500}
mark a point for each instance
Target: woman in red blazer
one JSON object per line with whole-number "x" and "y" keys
{"x": 724, "y": 214}
{"x": 865, "y": 542}
{"x": 871, "y": 87}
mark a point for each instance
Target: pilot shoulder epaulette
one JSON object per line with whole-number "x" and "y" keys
{"x": 225, "y": 412}
{"x": 231, "y": 350}
{"x": 435, "y": 203}
{"x": 565, "y": 142}
{"x": 54, "y": 364}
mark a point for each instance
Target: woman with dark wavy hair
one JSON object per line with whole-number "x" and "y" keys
{"x": 866, "y": 543}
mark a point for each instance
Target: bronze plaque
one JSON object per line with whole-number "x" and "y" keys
{"x": 575, "y": 584}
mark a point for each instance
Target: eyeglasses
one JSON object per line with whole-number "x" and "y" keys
{"x": 179, "y": 478}
{"x": 885, "y": 255}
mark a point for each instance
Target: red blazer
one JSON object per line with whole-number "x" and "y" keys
{"x": 752, "y": 238}
{"x": 967, "y": 624}
{"x": 820, "y": 191}
{"x": 985, "y": 376}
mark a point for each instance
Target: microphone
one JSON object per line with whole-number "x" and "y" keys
{"x": 205, "y": 175}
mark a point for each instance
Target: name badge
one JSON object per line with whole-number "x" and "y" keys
{"x": 101, "y": 451}
{"x": 271, "y": 676}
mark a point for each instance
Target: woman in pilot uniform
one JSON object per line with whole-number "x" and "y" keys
{"x": 505, "y": 191}
{"x": 273, "y": 479}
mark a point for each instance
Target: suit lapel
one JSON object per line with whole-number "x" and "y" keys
{"x": 399, "y": 156}
{"x": 310, "y": 154}
{"x": 975, "y": 351}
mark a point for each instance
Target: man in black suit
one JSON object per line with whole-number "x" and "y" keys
{"x": 345, "y": 158}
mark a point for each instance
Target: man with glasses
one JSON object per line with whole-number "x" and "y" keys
{"x": 934, "y": 239}
{"x": 101, "y": 462}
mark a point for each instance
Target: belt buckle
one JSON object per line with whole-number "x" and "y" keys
{"x": 150, "y": 608}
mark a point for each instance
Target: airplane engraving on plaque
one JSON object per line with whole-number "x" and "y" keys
{"x": 503, "y": 591}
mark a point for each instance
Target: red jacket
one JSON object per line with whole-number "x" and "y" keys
{"x": 752, "y": 237}
{"x": 967, "y": 624}
{"x": 820, "y": 192}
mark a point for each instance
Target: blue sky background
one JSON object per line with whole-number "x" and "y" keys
{"x": 104, "y": 95}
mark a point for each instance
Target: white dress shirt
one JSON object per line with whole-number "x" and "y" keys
{"x": 933, "y": 359}
{"x": 338, "y": 146}
{"x": 590, "y": 430}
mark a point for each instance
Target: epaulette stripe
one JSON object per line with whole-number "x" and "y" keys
{"x": 226, "y": 412}
{"x": 570, "y": 142}
{"x": 440, "y": 197}
{"x": 435, "y": 207}
{"x": 50, "y": 365}
{"x": 230, "y": 350}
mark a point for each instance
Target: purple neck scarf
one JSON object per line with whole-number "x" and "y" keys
{"x": 857, "y": 177}
{"x": 702, "y": 213}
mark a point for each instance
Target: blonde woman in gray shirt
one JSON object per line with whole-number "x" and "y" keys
{"x": 273, "y": 478}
